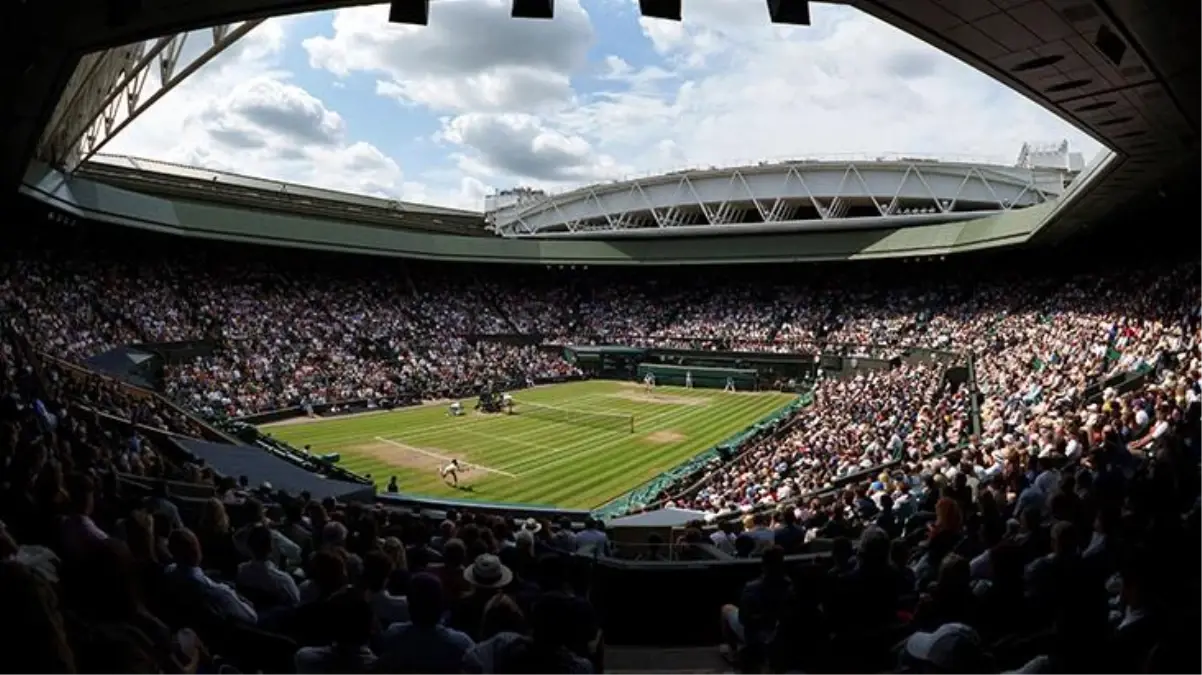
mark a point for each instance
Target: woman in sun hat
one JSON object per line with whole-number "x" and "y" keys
{"x": 488, "y": 572}
{"x": 487, "y": 576}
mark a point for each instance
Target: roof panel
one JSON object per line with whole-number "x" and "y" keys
{"x": 1003, "y": 29}
{"x": 1042, "y": 21}
{"x": 969, "y": 10}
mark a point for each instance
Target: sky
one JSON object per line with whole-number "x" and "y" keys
{"x": 477, "y": 101}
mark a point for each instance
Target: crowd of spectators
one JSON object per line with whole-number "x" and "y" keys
{"x": 909, "y": 412}
{"x": 108, "y": 573}
{"x": 1067, "y": 519}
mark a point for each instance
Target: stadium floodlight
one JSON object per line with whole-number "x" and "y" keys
{"x": 411, "y": 12}
{"x": 533, "y": 9}
{"x": 790, "y": 12}
{"x": 660, "y": 9}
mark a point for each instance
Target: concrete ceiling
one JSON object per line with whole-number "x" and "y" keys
{"x": 1125, "y": 71}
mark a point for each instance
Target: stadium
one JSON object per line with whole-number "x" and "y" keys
{"x": 882, "y": 412}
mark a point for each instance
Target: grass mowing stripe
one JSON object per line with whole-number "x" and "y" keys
{"x": 589, "y": 456}
{"x": 496, "y": 454}
{"x": 602, "y": 483}
{"x": 648, "y": 465}
{"x": 589, "y": 440}
{"x": 433, "y": 412}
{"x": 533, "y": 488}
{"x": 663, "y": 423}
{"x": 622, "y": 461}
{"x": 443, "y": 458}
{"x": 619, "y": 463}
{"x": 350, "y": 431}
{"x": 585, "y": 436}
{"x": 650, "y": 424}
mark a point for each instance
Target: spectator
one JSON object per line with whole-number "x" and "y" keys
{"x": 751, "y": 626}
{"x": 487, "y": 576}
{"x": 423, "y": 645}
{"x": 186, "y": 577}
{"x": 271, "y": 587}
{"x": 378, "y": 568}
{"x": 349, "y": 651}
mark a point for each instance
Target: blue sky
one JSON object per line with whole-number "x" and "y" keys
{"x": 477, "y": 101}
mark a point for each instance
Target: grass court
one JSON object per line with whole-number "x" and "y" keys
{"x": 523, "y": 459}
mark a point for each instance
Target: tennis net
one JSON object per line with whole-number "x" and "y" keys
{"x": 612, "y": 421}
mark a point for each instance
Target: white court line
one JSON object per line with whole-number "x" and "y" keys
{"x": 459, "y": 422}
{"x": 576, "y": 447}
{"x": 681, "y": 411}
{"x": 510, "y": 439}
{"x": 464, "y": 421}
{"x": 443, "y": 458}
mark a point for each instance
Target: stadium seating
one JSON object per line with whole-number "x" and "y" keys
{"x": 1043, "y": 515}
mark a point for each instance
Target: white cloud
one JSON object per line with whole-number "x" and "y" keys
{"x": 849, "y": 84}
{"x": 471, "y": 56}
{"x": 554, "y": 104}
{"x": 242, "y": 113}
{"x": 518, "y": 144}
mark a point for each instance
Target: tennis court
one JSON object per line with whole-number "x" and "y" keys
{"x": 569, "y": 445}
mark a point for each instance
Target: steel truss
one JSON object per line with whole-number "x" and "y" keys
{"x": 796, "y": 195}
{"x": 112, "y": 88}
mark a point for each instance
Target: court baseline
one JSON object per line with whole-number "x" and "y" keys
{"x": 444, "y": 458}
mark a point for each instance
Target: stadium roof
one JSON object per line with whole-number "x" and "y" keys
{"x": 176, "y": 180}
{"x": 1125, "y": 72}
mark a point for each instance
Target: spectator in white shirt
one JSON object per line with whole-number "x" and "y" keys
{"x": 724, "y": 538}
{"x": 261, "y": 575}
{"x": 80, "y": 532}
{"x": 593, "y": 540}
{"x": 186, "y": 572}
{"x": 285, "y": 552}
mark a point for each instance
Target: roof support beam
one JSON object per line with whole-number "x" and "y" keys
{"x": 111, "y": 89}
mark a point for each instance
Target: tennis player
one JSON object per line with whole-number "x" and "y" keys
{"x": 688, "y": 379}
{"x": 450, "y": 473}
{"x": 649, "y": 382}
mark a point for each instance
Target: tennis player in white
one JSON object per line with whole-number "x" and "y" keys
{"x": 450, "y": 473}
